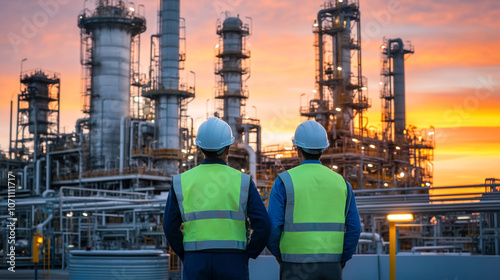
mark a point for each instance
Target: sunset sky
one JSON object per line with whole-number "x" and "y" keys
{"x": 452, "y": 80}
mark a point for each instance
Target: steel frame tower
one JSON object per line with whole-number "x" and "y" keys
{"x": 340, "y": 90}
{"x": 231, "y": 66}
{"x": 37, "y": 114}
{"x": 393, "y": 88}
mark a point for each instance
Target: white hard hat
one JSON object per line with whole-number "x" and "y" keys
{"x": 311, "y": 137}
{"x": 214, "y": 134}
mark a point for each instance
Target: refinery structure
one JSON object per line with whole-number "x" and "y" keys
{"x": 104, "y": 185}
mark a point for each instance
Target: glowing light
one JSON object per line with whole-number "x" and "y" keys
{"x": 25, "y": 117}
{"x": 428, "y": 184}
{"x": 335, "y": 167}
{"x": 279, "y": 155}
{"x": 430, "y": 133}
{"x": 39, "y": 240}
{"x": 400, "y": 217}
{"x": 338, "y": 109}
{"x": 383, "y": 47}
{"x": 184, "y": 151}
{"x": 354, "y": 140}
{"x": 362, "y": 148}
{"x": 372, "y": 146}
{"x": 339, "y": 68}
{"x": 243, "y": 170}
{"x": 190, "y": 157}
{"x": 385, "y": 184}
{"x": 314, "y": 91}
{"x": 463, "y": 217}
{"x": 381, "y": 83}
{"x": 402, "y": 174}
{"x": 183, "y": 164}
{"x": 398, "y": 148}
{"x": 70, "y": 214}
{"x": 217, "y": 46}
{"x": 85, "y": 214}
{"x": 315, "y": 24}
{"x": 131, "y": 9}
{"x": 364, "y": 88}
{"x": 370, "y": 165}
{"x": 288, "y": 148}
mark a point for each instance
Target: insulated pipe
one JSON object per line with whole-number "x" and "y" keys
{"x": 47, "y": 172}
{"x": 140, "y": 136}
{"x": 37, "y": 177}
{"x": 122, "y": 142}
{"x": 47, "y": 192}
{"x": 25, "y": 175}
{"x": 79, "y": 130}
{"x": 375, "y": 237}
{"x": 253, "y": 159}
{"x": 40, "y": 226}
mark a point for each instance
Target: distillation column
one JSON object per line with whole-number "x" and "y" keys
{"x": 111, "y": 28}
{"x": 340, "y": 90}
{"x": 393, "y": 52}
{"x": 169, "y": 94}
{"x": 230, "y": 87}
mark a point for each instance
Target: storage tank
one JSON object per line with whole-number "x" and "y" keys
{"x": 107, "y": 265}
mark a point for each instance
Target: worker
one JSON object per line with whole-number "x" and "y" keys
{"x": 211, "y": 210}
{"x": 315, "y": 222}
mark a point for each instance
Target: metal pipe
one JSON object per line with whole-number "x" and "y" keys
{"x": 10, "y": 131}
{"x": 122, "y": 142}
{"x": 47, "y": 192}
{"x": 37, "y": 177}
{"x": 132, "y": 136}
{"x": 47, "y": 172}
{"x": 25, "y": 175}
{"x": 140, "y": 135}
{"x": 253, "y": 159}
{"x": 79, "y": 130}
{"x": 40, "y": 226}
{"x": 376, "y": 238}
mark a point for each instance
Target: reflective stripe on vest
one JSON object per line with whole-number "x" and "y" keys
{"x": 213, "y": 204}
{"x": 314, "y": 214}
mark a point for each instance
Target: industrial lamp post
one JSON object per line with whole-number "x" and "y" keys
{"x": 393, "y": 218}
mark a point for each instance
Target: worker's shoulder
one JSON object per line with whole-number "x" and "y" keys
{"x": 313, "y": 170}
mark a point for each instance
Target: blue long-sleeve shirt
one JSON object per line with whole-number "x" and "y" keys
{"x": 276, "y": 209}
{"x": 256, "y": 211}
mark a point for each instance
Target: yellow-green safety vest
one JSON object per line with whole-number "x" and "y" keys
{"x": 314, "y": 214}
{"x": 213, "y": 204}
